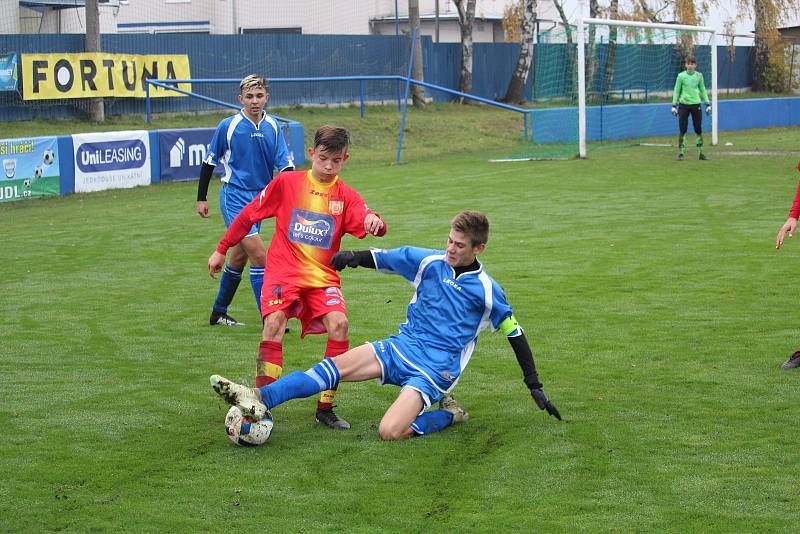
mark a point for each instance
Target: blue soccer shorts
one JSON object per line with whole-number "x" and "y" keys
{"x": 397, "y": 371}
{"x": 232, "y": 200}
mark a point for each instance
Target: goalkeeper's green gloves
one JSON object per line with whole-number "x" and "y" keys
{"x": 708, "y": 108}
{"x": 674, "y": 111}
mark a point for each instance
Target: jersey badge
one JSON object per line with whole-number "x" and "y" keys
{"x": 336, "y": 207}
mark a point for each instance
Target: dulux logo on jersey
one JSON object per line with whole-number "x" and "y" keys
{"x": 111, "y": 155}
{"x": 310, "y": 228}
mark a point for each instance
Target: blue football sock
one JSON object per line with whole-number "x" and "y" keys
{"x": 228, "y": 283}
{"x": 298, "y": 385}
{"x": 256, "y": 281}
{"x": 433, "y": 421}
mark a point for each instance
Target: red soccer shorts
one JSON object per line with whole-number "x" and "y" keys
{"x": 307, "y": 304}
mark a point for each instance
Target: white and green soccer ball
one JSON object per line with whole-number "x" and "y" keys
{"x": 242, "y": 431}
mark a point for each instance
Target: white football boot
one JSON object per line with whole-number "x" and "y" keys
{"x": 247, "y": 399}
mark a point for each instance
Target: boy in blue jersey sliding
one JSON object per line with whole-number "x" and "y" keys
{"x": 249, "y": 145}
{"x": 454, "y": 300}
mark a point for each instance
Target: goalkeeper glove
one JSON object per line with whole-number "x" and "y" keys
{"x": 674, "y": 111}
{"x": 344, "y": 259}
{"x": 544, "y": 403}
{"x": 708, "y": 109}
{"x": 539, "y": 396}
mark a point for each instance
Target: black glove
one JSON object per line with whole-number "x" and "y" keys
{"x": 544, "y": 403}
{"x": 674, "y": 111}
{"x": 708, "y": 109}
{"x": 346, "y": 258}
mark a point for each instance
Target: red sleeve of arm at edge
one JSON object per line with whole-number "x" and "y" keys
{"x": 238, "y": 228}
{"x": 795, "y": 211}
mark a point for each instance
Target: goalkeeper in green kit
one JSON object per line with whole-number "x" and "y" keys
{"x": 689, "y": 93}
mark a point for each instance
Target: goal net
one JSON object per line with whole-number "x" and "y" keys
{"x": 610, "y": 83}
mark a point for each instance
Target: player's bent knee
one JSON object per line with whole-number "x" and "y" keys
{"x": 393, "y": 432}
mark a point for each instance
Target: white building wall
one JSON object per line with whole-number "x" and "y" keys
{"x": 344, "y": 17}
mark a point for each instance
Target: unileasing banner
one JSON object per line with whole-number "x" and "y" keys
{"x": 111, "y": 160}
{"x": 89, "y": 75}
{"x": 30, "y": 168}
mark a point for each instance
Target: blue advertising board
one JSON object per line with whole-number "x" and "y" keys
{"x": 182, "y": 152}
{"x": 30, "y": 168}
{"x": 8, "y": 73}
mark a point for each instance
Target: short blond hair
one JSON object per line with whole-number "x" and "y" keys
{"x": 253, "y": 81}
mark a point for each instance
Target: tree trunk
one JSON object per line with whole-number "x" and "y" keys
{"x": 466, "y": 18}
{"x": 611, "y": 53}
{"x": 761, "y": 46}
{"x": 570, "y": 65}
{"x": 591, "y": 58}
{"x": 515, "y": 94}
{"x": 417, "y": 71}
{"x": 92, "y": 44}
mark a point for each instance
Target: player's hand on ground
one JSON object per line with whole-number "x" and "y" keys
{"x": 342, "y": 259}
{"x": 674, "y": 111}
{"x": 373, "y": 224}
{"x": 788, "y": 228}
{"x": 215, "y": 263}
{"x": 544, "y": 403}
{"x": 708, "y": 109}
{"x": 202, "y": 208}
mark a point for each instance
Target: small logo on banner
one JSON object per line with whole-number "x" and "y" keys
{"x": 336, "y": 207}
{"x": 310, "y": 228}
{"x": 10, "y": 168}
{"x": 176, "y": 153}
{"x": 111, "y": 155}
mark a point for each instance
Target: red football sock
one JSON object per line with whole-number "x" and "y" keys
{"x": 333, "y": 348}
{"x": 269, "y": 364}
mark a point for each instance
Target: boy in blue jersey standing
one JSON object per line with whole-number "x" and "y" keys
{"x": 454, "y": 300}
{"x": 249, "y": 145}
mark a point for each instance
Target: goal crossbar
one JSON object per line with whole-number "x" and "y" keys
{"x": 582, "y": 23}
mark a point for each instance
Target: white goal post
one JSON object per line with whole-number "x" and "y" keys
{"x": 584, "y": 22}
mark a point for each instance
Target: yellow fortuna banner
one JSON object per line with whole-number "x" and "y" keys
{"x": 88, "y": 75}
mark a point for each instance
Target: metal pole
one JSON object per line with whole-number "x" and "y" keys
{"x": 361, "y": 94}
{"x": 581, "y": 91}
{"x": 714, "y": 92}
{"x": 147, "y": 100}
{"x": 408, "y": 89}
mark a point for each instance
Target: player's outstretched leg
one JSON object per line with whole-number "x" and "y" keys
{"x": 793, "y": 362}
{"x": 248, "y": 400}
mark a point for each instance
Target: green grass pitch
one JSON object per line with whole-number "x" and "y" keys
{"x": 658, "y": 310}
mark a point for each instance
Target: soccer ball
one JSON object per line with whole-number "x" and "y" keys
{"x": 49, "y": 157}
{"x": 242, "y": 431}
{"x": 37, "y": 171}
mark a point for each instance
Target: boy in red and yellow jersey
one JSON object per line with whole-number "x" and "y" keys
{"x": 312, "y": 210}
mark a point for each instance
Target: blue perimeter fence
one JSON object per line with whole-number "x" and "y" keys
{"x": 376, "y": 60}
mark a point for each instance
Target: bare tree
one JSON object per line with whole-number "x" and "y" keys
{"x": 417, "y": 70}
{"x": 466, "y": 19}
{"x": 767, "y": 15}
{"x": 515, "y": 93}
